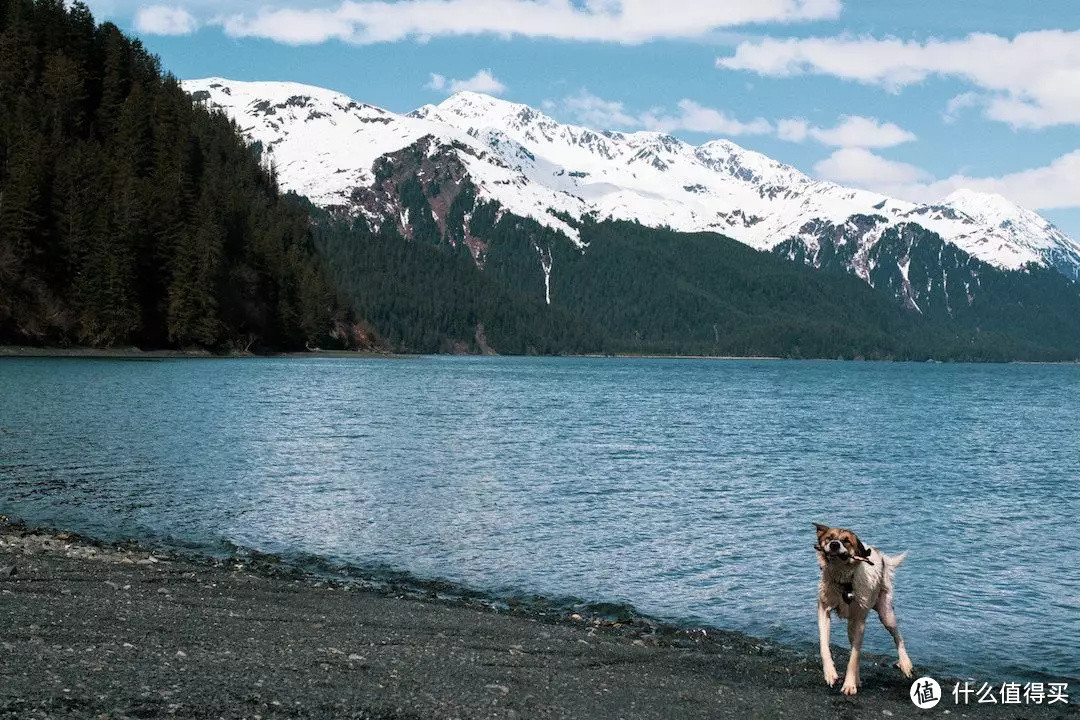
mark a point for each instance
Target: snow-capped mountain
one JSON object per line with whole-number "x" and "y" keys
{"x": 326, "y": 146}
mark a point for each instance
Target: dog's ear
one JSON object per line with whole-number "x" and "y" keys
{"x": 821, "y": 528}
{"x": 861, "y": 550}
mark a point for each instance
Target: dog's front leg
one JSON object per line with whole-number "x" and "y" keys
{"x": 824, "y": 628}
{"x": 856, "y": 628}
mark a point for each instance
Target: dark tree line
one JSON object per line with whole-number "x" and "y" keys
{"x": 130, "y": 215}
{"x": 643, "y": 290}
{"x": 663, "y": 291}
{"x": 425, "y": 297}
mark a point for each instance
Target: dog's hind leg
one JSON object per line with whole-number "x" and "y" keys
{"x": 824, "y": 630}
{"x": 855, "y": 629}
{"x": 888, "y": 619}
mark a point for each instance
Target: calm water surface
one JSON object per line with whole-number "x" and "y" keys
{"x": 684, "y": 487}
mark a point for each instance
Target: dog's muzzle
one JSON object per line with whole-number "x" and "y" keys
{"x": 835, "y": 548}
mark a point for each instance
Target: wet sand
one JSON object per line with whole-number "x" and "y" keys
{"x": 97, "y": 631}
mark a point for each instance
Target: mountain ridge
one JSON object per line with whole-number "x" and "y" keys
{"x": 324, "y": 146}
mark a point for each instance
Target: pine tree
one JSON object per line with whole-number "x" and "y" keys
{"x": 192, "y": 302}
{"x": 128, "y": 214}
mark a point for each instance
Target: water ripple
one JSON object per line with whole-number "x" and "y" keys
{"x": 686, "y": 488}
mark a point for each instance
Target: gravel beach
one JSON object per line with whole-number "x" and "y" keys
{"x": 89, "y": 630}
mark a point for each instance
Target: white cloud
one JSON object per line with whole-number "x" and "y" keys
{"x": 792, "y": 129}
{"x": 621, "y": 21}
{"x": 859, "y": 131}
{"x": 596, "y": 112}
{"x": 1030, "y": 81}
{"x": 957, "y": 104}
{"x": 291, "y": 26}
{"x": 860, "y": 167}
{"x": 165, "y": 20}
{"x": 1049, "y": 187}
{"x": 852, "y": 131}
{"x": 482, "y": 82}
{"x": 698, "y": 118}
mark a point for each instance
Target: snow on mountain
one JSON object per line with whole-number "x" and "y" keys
{"x": 324, "y": 145}
{"x": 1019, "y": 228}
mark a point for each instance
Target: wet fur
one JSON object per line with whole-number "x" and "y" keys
{"x": 870, "y": 574}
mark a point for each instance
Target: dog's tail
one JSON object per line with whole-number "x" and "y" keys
{"x": 891, "y": 562}
{"x": 895, "y": 561}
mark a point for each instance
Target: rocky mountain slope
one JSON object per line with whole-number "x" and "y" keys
{"x": 340, "y": 153}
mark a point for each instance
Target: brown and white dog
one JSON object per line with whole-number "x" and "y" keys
{"x": 855, "y": 579}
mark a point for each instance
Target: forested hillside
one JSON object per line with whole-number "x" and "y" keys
{"x": 1037, "y": 308}
{"x": 642, "y": 290}
{"x": 129, "y": 215}
{"x": 705, "y": 293}
{"x": 428, "y": 297}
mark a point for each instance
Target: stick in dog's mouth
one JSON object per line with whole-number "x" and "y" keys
{"x": 846, "y": 556}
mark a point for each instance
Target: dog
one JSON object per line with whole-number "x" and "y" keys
{"x": 855, "y": 579}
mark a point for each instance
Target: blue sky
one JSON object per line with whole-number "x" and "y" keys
{"x": 913, "y": 97}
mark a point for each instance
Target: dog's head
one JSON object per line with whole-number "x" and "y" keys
{"x": 840, "y": 545}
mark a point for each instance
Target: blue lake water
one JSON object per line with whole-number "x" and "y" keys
{"x": 684, "y": 487}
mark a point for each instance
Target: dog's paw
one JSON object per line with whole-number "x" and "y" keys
{"x": 850, "y": 686}
{"x": 831, "y": 676}
{"x": 905, "y": 666}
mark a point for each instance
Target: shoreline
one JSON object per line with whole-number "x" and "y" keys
{"x": 123, "y": 630}
{"x": 132, "y": 353}
{"x": 121, "y": 353}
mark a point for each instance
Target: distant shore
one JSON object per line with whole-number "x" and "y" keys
{"x": 136, "y": 353}
{"x": 132, "y": 353}
{"x": 93, "y": 630}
